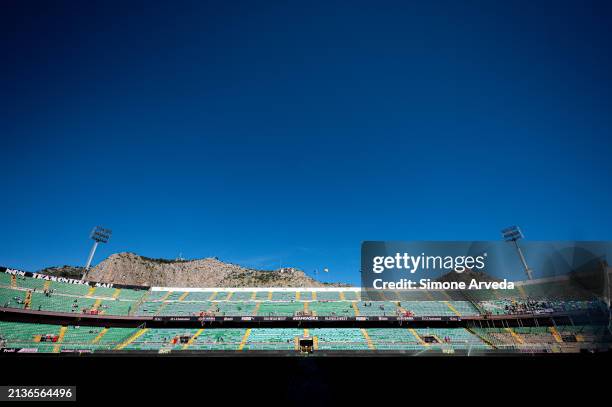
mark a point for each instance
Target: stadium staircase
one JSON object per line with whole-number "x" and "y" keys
{"x": 481, "y": 337}
{"x": 475, "y": 304}
{"x": 132, "y": 338}
{"x": 193, "y": 338}
{"x": 161, "y": 307}
{"x": 518, "y": 338}
{"x": 99, "y": 336}
{"x": 165, "y": 297}
{"x": 138, "y": 304}
{"x": 60, "y": 339}
{"x": 256, "y": 308}
{"x": 368, "y": 339}
{"x": 450, "y": 306}
{"x": 97, "y": 304}
{"x": 418, "y": 337}
{"x": 400, "y": 308}
{"x": 555, "y": 334}
{"x": 28, "y": 300}
{"x": 245, "y": 338}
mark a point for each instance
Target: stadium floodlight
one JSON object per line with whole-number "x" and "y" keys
{"x": 514, "y": 234}
{"x": 98, "y": 235}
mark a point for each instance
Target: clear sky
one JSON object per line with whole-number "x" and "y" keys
{"x": 270, "y": 133}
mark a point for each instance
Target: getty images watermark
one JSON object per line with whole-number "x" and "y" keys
{"x": 403, "y": 267}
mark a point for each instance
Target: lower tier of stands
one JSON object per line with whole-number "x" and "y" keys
{"x": 53, "y": 338}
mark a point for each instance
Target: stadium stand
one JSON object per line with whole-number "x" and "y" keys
{"x": 217, "y": 339}
{"x": 39, "y": 294}
{"x": 283, "y": 296}
{"x": 39, "y": 337}
{"x": 74, "y": 289}
{"x": 47, "y": 338}
{"x": 10, "y": 298}
{"x": 333, "y": 308}
{"x": 272, "y": 339}
{"x": 393, "y": 338}
{"x": 339, "y": 339}
{"x": 280, "y": 308}
{"x": 66, "y": 297}
{"x": 377, "y": 308}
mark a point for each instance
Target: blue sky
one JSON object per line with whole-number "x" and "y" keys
{"x": 270, "y": 133}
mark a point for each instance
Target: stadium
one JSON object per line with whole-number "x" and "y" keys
{"x": 44, "y": 314}
{"x": 305, "y": 201}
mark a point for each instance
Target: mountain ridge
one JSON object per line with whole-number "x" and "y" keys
{"x": 133, "y": 269}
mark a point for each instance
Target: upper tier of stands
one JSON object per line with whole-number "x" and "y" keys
{"x": 47, "y": 295}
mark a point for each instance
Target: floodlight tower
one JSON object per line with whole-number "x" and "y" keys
{"x": 514, "y": 234}
{"x": 98, "y": 235}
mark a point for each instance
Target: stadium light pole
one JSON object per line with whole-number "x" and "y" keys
{"x": 98, "y": 235}
{"x": 514, "y": 234}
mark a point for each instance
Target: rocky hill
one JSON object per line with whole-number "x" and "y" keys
{"x": 130, "y": 268}
{"x": 64, "y": 271}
